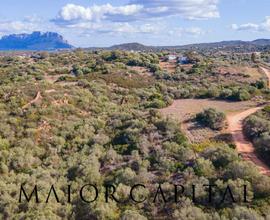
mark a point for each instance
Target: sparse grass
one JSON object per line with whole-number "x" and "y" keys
{"x": 252, "y": 72}
{"x": 185, "y": 109}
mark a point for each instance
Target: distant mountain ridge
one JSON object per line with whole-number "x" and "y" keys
{"x": 263, "y": 42}
{"x": 35, "y": 41}
{"x": 235, "y": 43}
{"x": 258, "y": 44}
{"x": 53, "y": 41}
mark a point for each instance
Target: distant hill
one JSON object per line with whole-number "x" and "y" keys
{"x": 262, "y": 42}
{"x": 35, "y": 41}
{"x": 229, "y": 44}
{"x": 237, "y": 45}
{"x": 131, "y": 46}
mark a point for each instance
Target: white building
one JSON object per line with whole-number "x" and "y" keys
{"x": 172, "y": 57}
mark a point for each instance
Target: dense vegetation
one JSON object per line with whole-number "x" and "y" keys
{"x": 257, "y": 128}
{"x": 97, "y": 122}
{"x": 204, "y": 80}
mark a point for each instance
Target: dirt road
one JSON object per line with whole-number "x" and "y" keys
{"x": 235, "y": 127}
{"x": 267, "y": 72}
{"x": 243, "y": 146}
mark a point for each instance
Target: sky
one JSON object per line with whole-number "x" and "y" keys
{"x": 89, "y": 23}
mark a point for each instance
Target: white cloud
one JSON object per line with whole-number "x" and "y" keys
{"x": 139, "y": 16}
{"x": 264, "y": 26}
{"x": 128, "y": 29}
{"x": 244, "y": 27}
{"x": 189, "y": 9}
{"x": 117, "y": 27}
{"x": 132, "y": 29}
{"x": 192, "y": 31}
{"x": 16, "y": 26}
{"x": 71, "y": 12}
{"x": 27, "y": 25}
{"x": 138, "y": 10}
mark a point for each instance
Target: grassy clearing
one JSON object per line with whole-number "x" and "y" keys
{"x": 252, "y": 72}
{"x": 185, "y": 109}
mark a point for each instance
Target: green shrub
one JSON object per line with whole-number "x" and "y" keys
{"x": 4, "y": 144}
{"x": 240, "y": 95}
{"x": 157, "y": 103}
{"x": 211, "y": 118}
{"x": 226, "y": 93}
{"x": 267, "y": 109}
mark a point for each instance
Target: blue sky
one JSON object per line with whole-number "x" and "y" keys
{"x": 152, "y": 22}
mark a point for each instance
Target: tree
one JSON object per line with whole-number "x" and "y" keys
{"x": 254, "y": 57}
{"x": 204, "y": 168}
{"x": 190, "y": 213}
{"x": 244, "y": 213}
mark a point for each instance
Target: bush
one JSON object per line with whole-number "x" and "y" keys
{"x": 254, "y": 126}
{"x": 243, "y": 95}
{"x": 211, "y": 118}
{"x": 157, "y": 104}
{"x": 240, "y": 95}
{"x": 260, "y": 84}
{"x": 4, "y": 144}
{"x": 267, "y": 109}
{"x": 132, "y": 215}
{"x": 257, "y": 128}
{"x": 226, "y": 93}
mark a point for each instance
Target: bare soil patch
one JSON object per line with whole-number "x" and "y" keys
{"x": 168, "y": 66}
{"x": 54, "y": 79}
{"x": 141, "y": 70}
{"x": 253, "y": 72}
{"x": 184, "y": 110}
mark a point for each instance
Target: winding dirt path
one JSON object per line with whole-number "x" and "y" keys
{"x": 36, "y": 99}
{"x": 243, "y": 146}
{"x": 267, "y": 72}
{"x": 54, "y": 79}
{"x": 50, "y": 79}
{"x": 235, "y": 126}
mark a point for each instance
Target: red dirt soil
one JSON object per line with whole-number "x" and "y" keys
{"x": 267, "y": 72}
{"x": 168, "y": 66}
{"x": 243, "y": 146}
